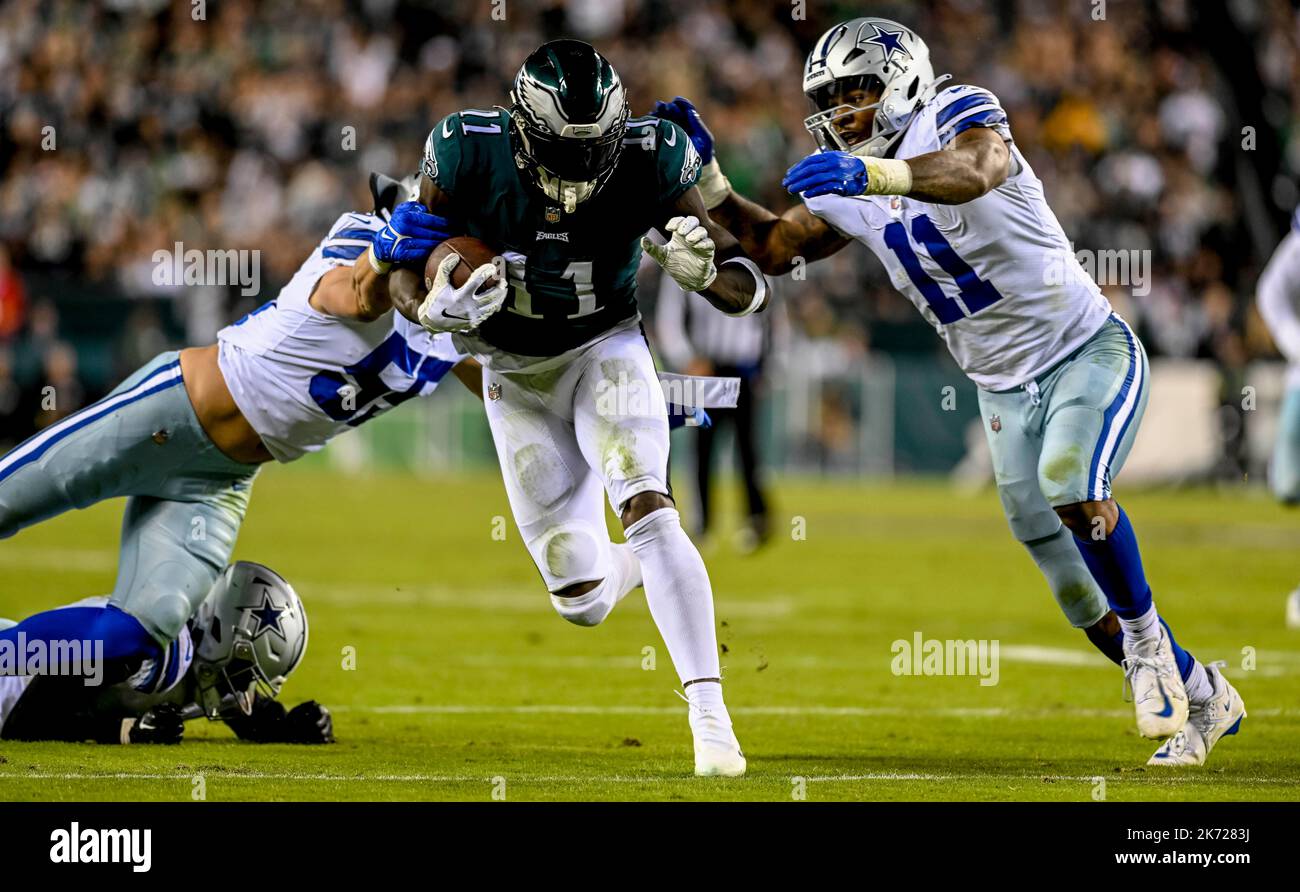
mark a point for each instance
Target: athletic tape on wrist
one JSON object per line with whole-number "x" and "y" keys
{"x": 379, "y": 266}
{"x": 713, "y": 185}
{"x": 888, "y": 176}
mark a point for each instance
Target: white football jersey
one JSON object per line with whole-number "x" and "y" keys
{"x": 1278, "y": 296}
{"x": 301, "y": 377}
{"x": 996, "y": 276}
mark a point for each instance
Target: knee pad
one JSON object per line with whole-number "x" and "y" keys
{"x": 1027, "y": 512}
{"x": 570, "y": 553}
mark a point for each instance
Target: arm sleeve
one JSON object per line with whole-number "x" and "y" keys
{"x": 960, "y": 108}
{"x": 1278, "y": 296}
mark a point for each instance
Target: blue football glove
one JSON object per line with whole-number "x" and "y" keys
{"x": 410, "y": 236}
{"x": 827, "y": 172}
{"x": 682, "y": 416}
{"x": 682, "y": 113}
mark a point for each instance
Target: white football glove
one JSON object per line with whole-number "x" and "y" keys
{"x": 460, "y": 309}
{"x": 688, "y": 254}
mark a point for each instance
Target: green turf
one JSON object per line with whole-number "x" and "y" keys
{"x": 466, "y": 683}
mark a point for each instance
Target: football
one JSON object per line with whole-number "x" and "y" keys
{"x": 473, "y": 253}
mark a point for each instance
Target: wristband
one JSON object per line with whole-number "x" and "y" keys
{"x": 379, "y": 266}
{"x": 760, "y": 285}
{"x": 887, "y": 176}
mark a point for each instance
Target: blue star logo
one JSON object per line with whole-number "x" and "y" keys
{"x": 266, "y": 614}
{"x": 890, "y": 41}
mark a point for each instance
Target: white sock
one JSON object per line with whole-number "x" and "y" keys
{"x": 1199, "y": 687}
{"x": 627, "y": 567}
{"x": 678, "y": 593}
{"x": 706, "y": 696}
{"x": 592, "y": 608}
{"x": 1145, "y": 626}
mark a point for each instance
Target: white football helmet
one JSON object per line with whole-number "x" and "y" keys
{"x": 250, "y": 633}
{"x": 879, "y": 56}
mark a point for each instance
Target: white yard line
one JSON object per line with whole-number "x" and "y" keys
{"x": 487, "y": 779}
{"x": 992, "y": 712}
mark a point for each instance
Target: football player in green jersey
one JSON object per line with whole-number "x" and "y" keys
{"x": 566, "y": 186}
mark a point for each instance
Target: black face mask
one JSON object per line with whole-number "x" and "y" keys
{"x": 576, "y": 160}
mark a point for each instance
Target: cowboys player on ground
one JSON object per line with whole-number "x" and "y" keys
{"x": 930, "y": 180}
{"x": 566, "y": 186}
{"x": 229, "y": 662}
{"x": 184, "y": 437}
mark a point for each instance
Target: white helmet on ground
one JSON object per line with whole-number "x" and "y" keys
{"x": 250, "y": 633}
{"x": 879, "y": 56}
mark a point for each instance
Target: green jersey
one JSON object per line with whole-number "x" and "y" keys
{"x": 572, "y": 276}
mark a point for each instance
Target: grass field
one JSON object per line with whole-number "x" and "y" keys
{"x": 466, "y": 684}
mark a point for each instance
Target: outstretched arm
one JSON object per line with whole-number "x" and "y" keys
{"x": 777, "y": 242}
{"x": 976, "y": 162}
{"x": 774, "y": 241}
{"x": 405, "y": 286}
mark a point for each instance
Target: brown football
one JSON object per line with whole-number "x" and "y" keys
{"x": 473, "y": 253}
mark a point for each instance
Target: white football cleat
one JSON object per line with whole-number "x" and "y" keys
{"x": 717, "y": 751}
{"x": 1293, "y": 610}
{"x": 1218, "y": 717}
{"x": 1159, "y": 697}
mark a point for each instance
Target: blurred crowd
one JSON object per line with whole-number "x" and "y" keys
{"x": 129, "y": 126}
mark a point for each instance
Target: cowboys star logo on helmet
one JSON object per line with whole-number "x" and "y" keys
{"x": 860, "y": 59}
{"x": 568, "y": 113}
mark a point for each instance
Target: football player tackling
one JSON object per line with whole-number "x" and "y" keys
{"x": 930, "y": 180}
{"x": 183, "y": 437}
{"x": 566, "y": 186}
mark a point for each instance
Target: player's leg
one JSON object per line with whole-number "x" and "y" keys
{"x": 622, "y": 428}
{"x": 1096, "y": 400}
{"x": 704, "y": 440}
{"x": 1284, "y": 470}
{"x": 751, "y": 472}
{"x": 556, "y": 500}
{"x": 94, "y": 454}
{"x": 142, "y": 439}
{"x": 1012, "y": 424}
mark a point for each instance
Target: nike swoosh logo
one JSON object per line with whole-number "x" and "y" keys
{"x": 671, "y": 138}
{"x": 447, "y": 315}
{"x": 1169, "y": 707}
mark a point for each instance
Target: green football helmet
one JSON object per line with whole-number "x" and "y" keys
{"x": 569, "y": 112}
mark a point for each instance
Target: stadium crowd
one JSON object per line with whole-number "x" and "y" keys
{"x": 129, "y": 126}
